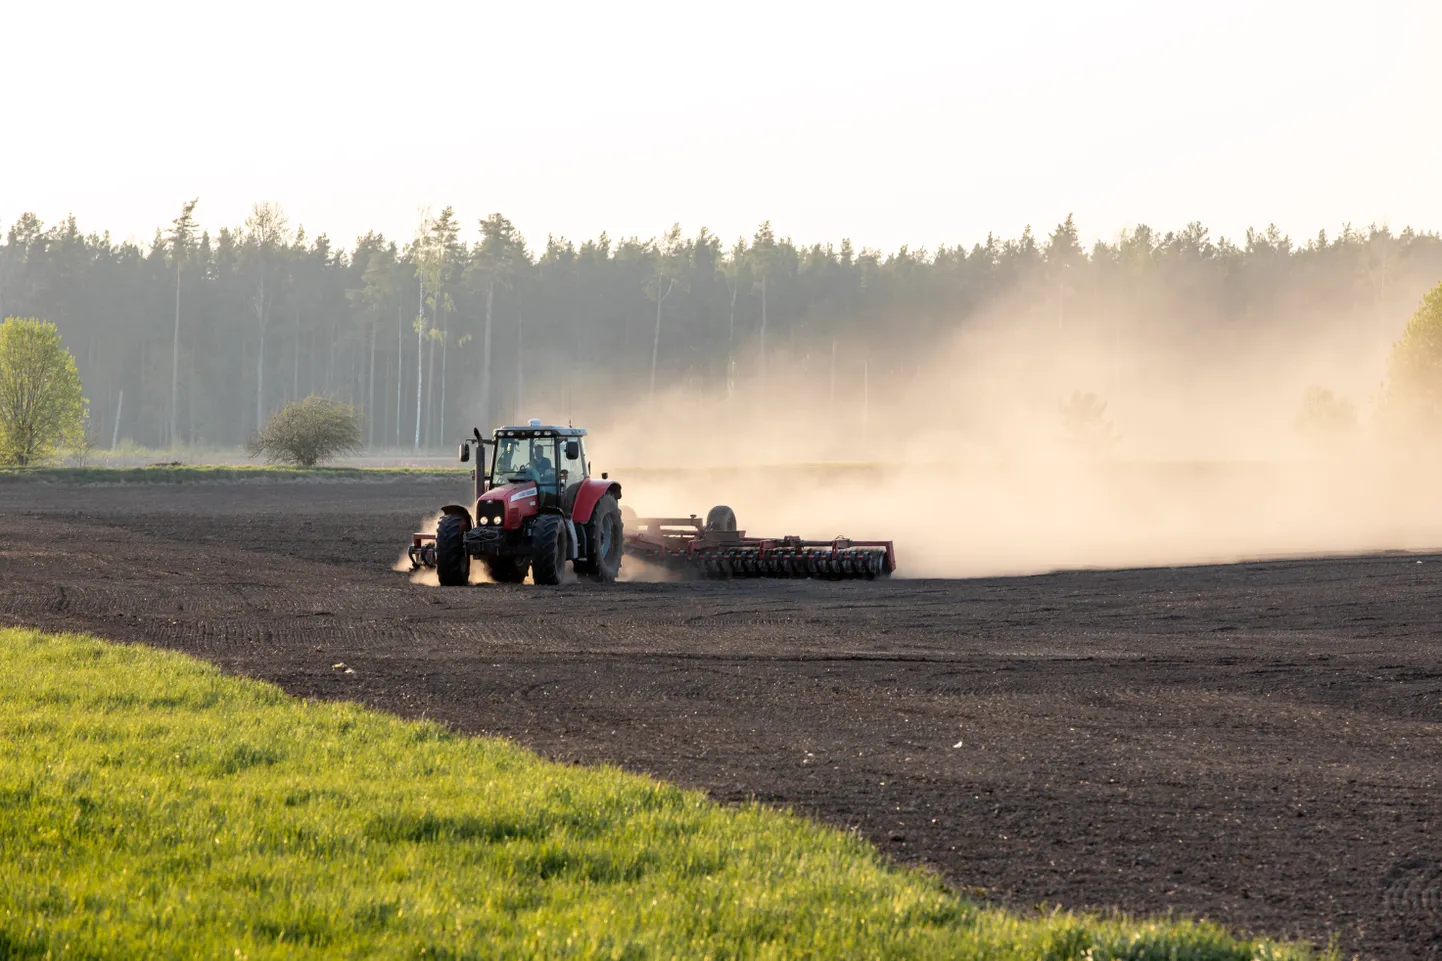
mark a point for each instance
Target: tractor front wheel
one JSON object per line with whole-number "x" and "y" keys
{"x": 606, "y": 539}
{"x": 548, "y": 551}
{"x": 453, "y": 564}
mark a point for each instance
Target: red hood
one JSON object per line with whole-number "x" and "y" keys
{"x": 512, "y": 503}
{"x": 506, "y": 491}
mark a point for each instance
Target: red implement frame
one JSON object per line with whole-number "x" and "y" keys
{"x": 423, "y": 550}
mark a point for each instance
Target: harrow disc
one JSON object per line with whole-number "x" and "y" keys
{"x": 718, "y": 550}
{"x": 842, "y": 564}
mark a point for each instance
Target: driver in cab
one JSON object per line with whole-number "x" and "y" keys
{"x": 545, "y": 471}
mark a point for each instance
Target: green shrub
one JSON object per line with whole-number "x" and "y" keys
{"x": 42, "y": 407}
{"x": 1085, "y": 424}
{"x": 1412, "y": 396}
{"x": 308, "y": 432}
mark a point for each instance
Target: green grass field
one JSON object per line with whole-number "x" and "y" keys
{"x": 152, "y": 807}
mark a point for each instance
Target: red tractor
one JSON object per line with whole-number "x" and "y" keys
{"x": 537, "y": 507}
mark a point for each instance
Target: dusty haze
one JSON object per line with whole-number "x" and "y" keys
{"x": 961, "y": 453}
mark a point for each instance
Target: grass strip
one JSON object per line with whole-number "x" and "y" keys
{"x": 152, "y": 806}
{"x": 162, "y": 473}
{"x": 202, "y": 473}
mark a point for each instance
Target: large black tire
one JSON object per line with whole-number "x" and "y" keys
{"x": 507, "y": 570}
{"x": 548, "y": 549}
{"x": 453, "y": 564}
{"x": 605, "y": 539}
{"x": 721, "y": 518}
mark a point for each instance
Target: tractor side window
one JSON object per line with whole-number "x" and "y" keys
{"x": 575, "y": 467}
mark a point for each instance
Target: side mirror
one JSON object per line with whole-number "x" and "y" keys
{"x": 573, "y": 449}
{"x": 465, "y": 452}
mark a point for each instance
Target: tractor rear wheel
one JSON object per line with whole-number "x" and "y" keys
{"x": 453, "y": 564}
{"x": 548, "y": 553}
{"x": 507, "y": 570}
{"x": 605, "y": 537}
{"x": 721, "y": 518}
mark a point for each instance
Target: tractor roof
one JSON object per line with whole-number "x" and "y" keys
{"x": 536, "y": 429}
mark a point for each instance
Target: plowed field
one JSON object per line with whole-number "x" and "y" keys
{"x": 1257, "y": 743}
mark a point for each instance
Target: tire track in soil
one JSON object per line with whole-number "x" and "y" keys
{"x": 1255, "y": 743}
{"x": 1413, "y": 900}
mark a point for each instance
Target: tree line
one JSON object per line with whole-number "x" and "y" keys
{"x": 194, "y": 338}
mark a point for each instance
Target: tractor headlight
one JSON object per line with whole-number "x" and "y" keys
{"x": 483, "y": 520}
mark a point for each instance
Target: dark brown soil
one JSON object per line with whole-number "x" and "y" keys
{"x": 1260, "y": 744}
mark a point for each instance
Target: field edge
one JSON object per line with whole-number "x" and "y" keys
{"x": 228, "y": 474}
{"x": 129, "y": 736}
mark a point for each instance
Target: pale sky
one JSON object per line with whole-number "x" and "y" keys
{"x": 890, "y": 123}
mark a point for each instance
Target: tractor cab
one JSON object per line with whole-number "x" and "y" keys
{"x": 550, "y": 458}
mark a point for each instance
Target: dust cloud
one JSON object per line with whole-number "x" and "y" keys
{"x": 426, "y": 576}
{"x": 635, "y": 570}
{"x": 426, "y": 525}
{"x": 1032, "y": 444}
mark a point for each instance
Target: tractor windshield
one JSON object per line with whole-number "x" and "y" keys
{"x": 526, "y": 458}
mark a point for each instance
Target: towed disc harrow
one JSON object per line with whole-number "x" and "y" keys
{"x": 716, "y": 549}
